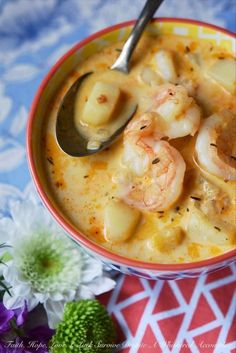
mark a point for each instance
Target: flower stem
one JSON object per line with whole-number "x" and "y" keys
{"x": 19, "y": 331}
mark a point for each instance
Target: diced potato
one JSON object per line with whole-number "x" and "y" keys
{"x": 120, "y": 221}
{"x": 224, "y": 72}
{"x": 101, "y": 104}
{"x": 201, "y": 230}
{"x": 150, "y": 77}
{"x": 165, "y": 65}
{"x": 168, "y": 239}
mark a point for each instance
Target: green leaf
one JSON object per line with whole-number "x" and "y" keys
{"x": 6, "y": 254}
{"x": 4, "y": 245}
{"x": 3, "y": 286}
{"x": 6, "y": 257}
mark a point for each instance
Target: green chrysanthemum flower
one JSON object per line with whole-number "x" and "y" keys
{"x": 49, "y": 263}
{"x": 85, "y": 328}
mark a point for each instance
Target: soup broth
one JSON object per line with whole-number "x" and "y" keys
{"x": 200, "y": 222}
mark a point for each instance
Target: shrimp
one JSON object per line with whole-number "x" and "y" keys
{"x": 179, "y": 115}
{"x": 216, "y": 145}
{"x": 154, "y": 170}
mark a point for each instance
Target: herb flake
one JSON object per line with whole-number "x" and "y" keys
{"x": 50, "y": 160}
{"x": 156, "y": 160}
{"x": 195, "y": 198}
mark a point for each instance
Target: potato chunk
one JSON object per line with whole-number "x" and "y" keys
{"x": 150, "y": 77}
{"x": 120, "y": 221}
{"x": 224, "y": 73}
{"x": 101, "y": 104}
{"x": 165, "y": 65}
{"x": 168, "y": 239}
{"x": 202, "y": 230}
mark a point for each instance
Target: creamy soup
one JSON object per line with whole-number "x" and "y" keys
{"x": 164, "y": 192}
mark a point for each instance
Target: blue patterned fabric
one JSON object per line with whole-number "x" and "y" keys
{"x": 34, "y": 34}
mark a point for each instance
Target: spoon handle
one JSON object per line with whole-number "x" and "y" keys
{"x": 122, "y": 62}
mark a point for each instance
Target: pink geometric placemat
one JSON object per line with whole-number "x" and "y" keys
{"x": 187, "y": 315}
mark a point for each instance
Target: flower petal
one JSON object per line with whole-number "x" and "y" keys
{"x": 57, "y": 297}
{"x": 41, "y": 297}
{"x": 54, "y": 312}
{"x": 13, "y": 278}
{"x": 9, "y": 272}
{"x": 101, "y": 285}
{"x": 21, "y": 213}
{"x": 32, "y": 302}
{"x": 5, "y": 316}
{"x": 21, "y": 315}
{"x": 42, "y": 218}
{"x": 91, "y": 269}
{"x": 68, "y": 296}
{"x": 7, "y": 230}
{"x": 84, "y": 293}
{"x": 13, "y": 302}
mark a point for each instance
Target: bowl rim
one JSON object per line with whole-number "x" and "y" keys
{"x": 76, "y": 235}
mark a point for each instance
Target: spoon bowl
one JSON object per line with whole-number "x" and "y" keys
{"x": 68, "y": 137}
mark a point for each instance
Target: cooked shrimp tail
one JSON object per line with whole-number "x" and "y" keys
{"x": 216, "y": 145}
{"x": 153, "y": 169}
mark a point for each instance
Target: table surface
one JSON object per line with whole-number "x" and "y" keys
{"x": 189, "y": 315}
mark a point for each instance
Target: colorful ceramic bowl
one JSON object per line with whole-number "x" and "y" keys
{"x": 47, "y": 90}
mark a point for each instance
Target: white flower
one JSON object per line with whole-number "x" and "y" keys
{"x": 46, "y": 267}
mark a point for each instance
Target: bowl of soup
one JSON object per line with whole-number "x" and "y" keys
{"x": 160, "y": 201}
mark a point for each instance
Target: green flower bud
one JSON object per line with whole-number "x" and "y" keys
{"x": 86, "y": 328}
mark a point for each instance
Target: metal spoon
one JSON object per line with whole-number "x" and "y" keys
{"x": 68, "y": 137}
